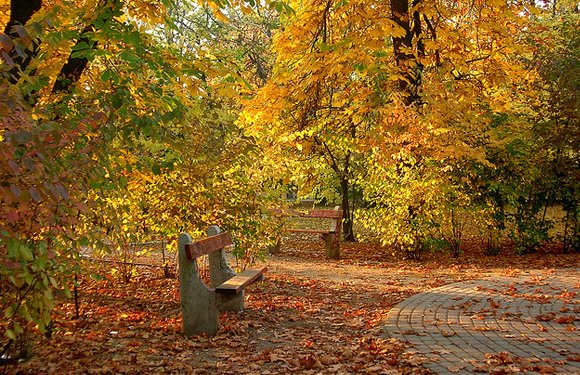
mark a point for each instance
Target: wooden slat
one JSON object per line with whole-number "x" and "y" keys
{"x": 324, "y": 214}
{"x": 240, "y": 281}
{"x": 208, "y": 245}
{"x": 320, "y": 214}
{"x": 308, "y": 231}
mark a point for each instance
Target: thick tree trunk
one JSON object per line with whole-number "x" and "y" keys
{"x": 21, "y": 11}
{"x": 403, "y": 46}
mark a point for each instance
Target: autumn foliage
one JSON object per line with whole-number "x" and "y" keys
{"x": 414, "y": 113}
{"x": 130, "y": 121}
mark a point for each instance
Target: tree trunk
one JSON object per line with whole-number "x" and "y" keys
{"x": 20, "y": 13}
{"x": 73, "y": 69}
{"x": 405, "y": 58}
{"x": 348, "y": 215}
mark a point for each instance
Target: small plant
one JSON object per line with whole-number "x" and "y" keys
{"x": 492, "y": 246}
{"x": 529, "y": 234}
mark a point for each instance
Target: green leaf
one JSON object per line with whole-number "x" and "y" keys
{"x": 80, "y": 46}
{"x": 10, "y": 334}
{"x": 26, "y": 252}
{"x": 53, "y": 281}
{"x": 106, "y": 75}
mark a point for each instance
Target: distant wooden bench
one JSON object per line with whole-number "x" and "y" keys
{"x": 331, "y": 236}
{"x": 200, "y": 304}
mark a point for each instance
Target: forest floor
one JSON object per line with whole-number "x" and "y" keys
{"x": 310, "y": 315}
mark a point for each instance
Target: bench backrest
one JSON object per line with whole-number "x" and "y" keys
{"x": 208, "y": 245}
{"x": 324, "y": 214}
{"x": 314, "y": 214}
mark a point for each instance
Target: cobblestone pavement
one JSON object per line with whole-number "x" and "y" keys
{"x": 526, "y": 323}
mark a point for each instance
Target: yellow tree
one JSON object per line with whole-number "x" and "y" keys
{"x": 371, "y": 89}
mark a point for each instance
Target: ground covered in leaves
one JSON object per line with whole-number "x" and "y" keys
{"x": 310, "y": 315}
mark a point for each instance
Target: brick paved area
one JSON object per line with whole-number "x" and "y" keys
{"x": 527, "y": 323}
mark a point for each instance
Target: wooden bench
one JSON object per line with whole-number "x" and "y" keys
{"x": 200, "y": 304}
{"x": 331, "y": 236}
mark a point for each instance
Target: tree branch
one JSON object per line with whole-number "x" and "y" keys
{"x": 72, "y": 70}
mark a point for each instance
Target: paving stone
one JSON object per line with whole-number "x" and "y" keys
{"x": 462, "y": 325}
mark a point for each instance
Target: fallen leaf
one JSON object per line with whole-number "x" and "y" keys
{"x": 327, "y": 360}
{"x": 546, "y": 317}
{"x": 545, "y": 369}
{"x": 542, "y": 328}
{"x": 565, "y": 319}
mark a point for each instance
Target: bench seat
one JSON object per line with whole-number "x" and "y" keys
{"x": 241, "y": 280}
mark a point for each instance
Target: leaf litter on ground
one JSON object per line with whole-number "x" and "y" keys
{"x": 310, "y": 315}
